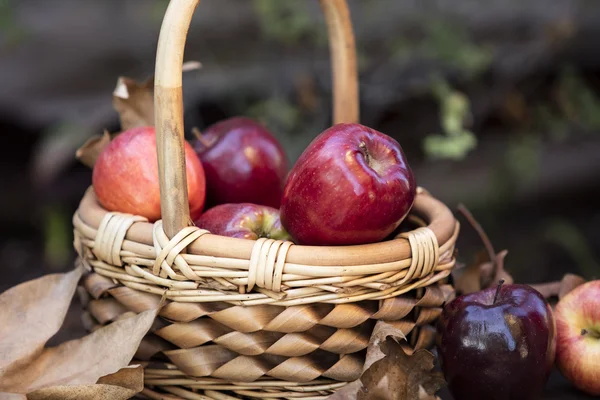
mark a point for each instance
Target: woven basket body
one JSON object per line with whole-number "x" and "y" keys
{"x": 265, "y": 318}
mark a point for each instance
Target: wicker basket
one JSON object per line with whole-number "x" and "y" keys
{"x": 265, "y": 318}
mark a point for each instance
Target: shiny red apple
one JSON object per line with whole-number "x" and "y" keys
{"x": 243, "y": 162}
{"x": 352, "y": 185}
{"x": 125, "y": 175}
{"x": 497, "y": 344}
{"x": 244, "y": 221}
{"x": 578, "y": 337}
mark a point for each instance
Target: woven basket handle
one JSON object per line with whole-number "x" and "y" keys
{"x": 168, "y": 98}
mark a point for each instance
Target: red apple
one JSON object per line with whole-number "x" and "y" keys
{"x": 243, "y": 220}
{"x": 578, "y": 333}
{"x": 243, "y": 163}
{"x": 125, "y": 176}
{"x": 351, "y": 185}
{"x": 497, "y": 344}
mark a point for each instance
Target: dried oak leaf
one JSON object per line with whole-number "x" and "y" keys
{"x": 134, "y": 102}
{"x": 399, "y": 376}
{"x": 89, "y": 152}
{"x": 389, "y": 373}
{"x": 122, "y": 385}
{"x": 423, "y": 395}
{"x": 493, "y": 271}
{"x": 33, "y": 312}
{"x": 468, "y": 279}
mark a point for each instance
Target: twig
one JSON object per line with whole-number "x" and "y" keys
{"x": 482, "y": 235}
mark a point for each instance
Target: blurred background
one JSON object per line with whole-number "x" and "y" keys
{"x": 496, "y": 104}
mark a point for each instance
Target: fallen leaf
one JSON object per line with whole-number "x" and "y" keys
{"x": 559, "y": 288}
{"x": 348, "y": 392}
{"x": 500, "y": 273}
{"x": 85, "y": 360}
{"x": 89, "y": 152}
{"x": 568, "y": 283}
{"x": 468, "y": 279}
{"x": 134, "y": 102}
{"x": 130, "y": 377}
{"x": 12, "y": 396}
{"x": 399, "y": 376}
{"x": 381, "y": 332}
{"x": 122, "y": 385}
{"x": 32, "y": 313}
{"x": 423, "y": 395}
{"x": 389, "y": 373}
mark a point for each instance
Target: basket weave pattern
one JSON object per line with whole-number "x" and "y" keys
{"x": 249, "y": 346}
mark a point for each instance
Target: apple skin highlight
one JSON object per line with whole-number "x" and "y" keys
{"x": 578, "y": 328}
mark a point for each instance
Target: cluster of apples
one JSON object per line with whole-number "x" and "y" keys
{"x": 501, "y": 343}
{"x": 351, "y": 185}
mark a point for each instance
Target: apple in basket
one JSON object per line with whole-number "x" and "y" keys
{"x": 578, "y": 337}
{"x": 352, "y": 185}
{"x": 125, "y": 176}
{"x": 498, "y": 343}
{"x": 243, "y": 163}
{"x": 243, "y": 220}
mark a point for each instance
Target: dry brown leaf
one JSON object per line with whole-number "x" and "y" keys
{"x": 12, "y": 396}
{"x": 381, "y": 332}
{"x": 32, "y": 313}
{"x": 468, "y": 279}
{"x": 399, "y": 376}
{"x": 85, "y": 360}
{"x": 499, "y": 273}
{"x": 89, "y": 152}
{"x": 423, "y": 395}
{"x": 348, "y": 392}
{"x": 389, "y": 373}
{"x": 134, "y": 102}
{"x": 559, "y": 288}
{"x": 122, "y": 385}
{"x": 568, "y": 283}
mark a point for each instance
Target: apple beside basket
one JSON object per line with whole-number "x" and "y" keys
{"x": 257, "y": 318}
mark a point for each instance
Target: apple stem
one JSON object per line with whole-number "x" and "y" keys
{"x": 365, "y": 152}
{"x": 201, "y": 137}
{"x": 591, "y": 333}
{"x": 500, "y": 283}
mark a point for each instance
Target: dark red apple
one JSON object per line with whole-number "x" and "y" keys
{"x": 125, "y": 176}
{"x": 578, "y": 337}
{"x": 244, "y": 221}
{"x": 497, "y": 344}
{"x": 243, "y": 162}
{"x": 352, "y": 185}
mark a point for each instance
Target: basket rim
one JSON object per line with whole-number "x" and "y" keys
{"x": 435, "y": 213}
